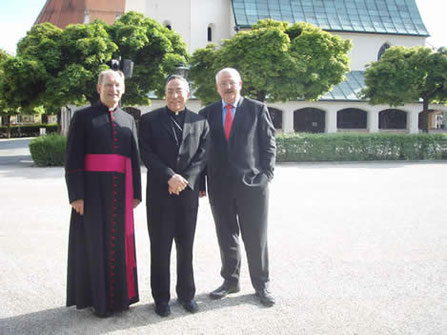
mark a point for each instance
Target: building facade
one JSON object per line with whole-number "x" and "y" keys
{"x": 372, "y": 25}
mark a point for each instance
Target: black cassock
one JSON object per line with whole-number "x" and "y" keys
{"x": 99, "y": 271}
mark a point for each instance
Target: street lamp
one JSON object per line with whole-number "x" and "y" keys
{"x": 182, "y": 71}
{"x": 125, "y": 65}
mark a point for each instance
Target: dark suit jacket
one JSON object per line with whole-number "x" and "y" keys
{"x": 249, "y": 156}
{"x": 163, "y": 158}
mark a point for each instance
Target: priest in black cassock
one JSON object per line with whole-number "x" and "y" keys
{"x": 173, "y": 147}
{"x": 102, "y": 172}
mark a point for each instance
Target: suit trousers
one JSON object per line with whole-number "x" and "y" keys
{"x": 172, "y": 221}
{"x": 243, "y": 212}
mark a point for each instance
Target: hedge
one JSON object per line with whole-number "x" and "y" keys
{"x": 360, "y": 147}
{"x": 48, "y": 150}
{"x": 29, "y": 130}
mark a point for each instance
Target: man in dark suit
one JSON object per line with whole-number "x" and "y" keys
{"x": 173, "y": 148}
{"x": 240, "y": 165}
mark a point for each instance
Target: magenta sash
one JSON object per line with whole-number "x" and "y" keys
{"x": 121, "y": 164}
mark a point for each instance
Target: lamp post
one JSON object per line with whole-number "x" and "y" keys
{"x": 182, "y": 71}
{"x": 125, "y": 65}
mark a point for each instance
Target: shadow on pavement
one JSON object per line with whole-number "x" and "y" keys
{"x": 60, "y": 320}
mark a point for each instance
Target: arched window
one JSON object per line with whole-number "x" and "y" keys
{"x": 382, "y": 50}
{"x": 167, "y": 24}
{"x": 309, "y": 120}
{"x": 392, "y": 119}
{"x": 210, "y": 33}
{"x": 351, "y": 118}
{"x": 276, "y": 115}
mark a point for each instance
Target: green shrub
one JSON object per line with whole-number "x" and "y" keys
{"x": 360, "y": 147}
{"x": 28, "y": 130}
{"x": 48, "y": 150}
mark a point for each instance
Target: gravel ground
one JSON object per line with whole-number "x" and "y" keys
{"x": 355, "y": 248}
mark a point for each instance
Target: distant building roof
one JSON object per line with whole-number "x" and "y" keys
{"x": 64, "y": 12}
{"x": 364, "y": 16}
{"x": 347, "y": 90}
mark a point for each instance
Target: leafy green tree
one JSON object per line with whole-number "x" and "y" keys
{"x": 277, "y": 61}
{"x": 56, "y": 67}
{"x": 155, "y": 50}
{"x": 6, "y": 110}
{"x": 405, "y": 75}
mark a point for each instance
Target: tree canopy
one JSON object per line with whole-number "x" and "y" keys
{"x": 405, "y": 75}
{"x": 56, "y": 67}
{"x": 276, "y": 60}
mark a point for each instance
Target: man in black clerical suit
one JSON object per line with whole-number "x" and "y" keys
{"x": 173, "y": 148}
{"x": 102, "y": 171}
{"x": 241, "y": 159}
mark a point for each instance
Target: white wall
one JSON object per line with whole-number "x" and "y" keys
{"x": 366, "y": 46}
{"x": 190, "y": 18}
{"x": 135, "y": 5}
{"x": 218, "y": 13}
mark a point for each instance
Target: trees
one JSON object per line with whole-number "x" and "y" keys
{"x": 155, "y": 50}
{"x": 277, "y": 61}
{"x": 6, "y": 110}
{"x": 404, "y": 75}
{"x": 56, "y": 67}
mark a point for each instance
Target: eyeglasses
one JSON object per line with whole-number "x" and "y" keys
{"x": 228, "y": 83}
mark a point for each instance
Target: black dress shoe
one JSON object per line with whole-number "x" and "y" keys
{"x": 266, "y": 297}
{"x": 224, "y": 290}
{"x": 163, "y": 309}
{"x": 190, "y": 305}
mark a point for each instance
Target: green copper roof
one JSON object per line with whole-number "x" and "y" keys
{"x": 347, "y": 90}
{"x": 365, "y": 16}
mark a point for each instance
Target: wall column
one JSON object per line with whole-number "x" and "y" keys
{"x": 287, "y": 121}
{"x": 331, "y": 121}
{"x": 373, "y": 121}
{"x": 413, "y": 122}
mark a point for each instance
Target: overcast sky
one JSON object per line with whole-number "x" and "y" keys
{"x": 17, "y": 17}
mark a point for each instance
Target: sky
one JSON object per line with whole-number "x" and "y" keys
{"x": 17, "y": 17}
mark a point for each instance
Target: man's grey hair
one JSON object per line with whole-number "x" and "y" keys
{"x": 178, "y": 77}
{"x": 104, "y": 73}
{"x": 230, "y": 70}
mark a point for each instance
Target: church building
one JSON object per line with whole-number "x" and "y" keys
{"x": 372, "y": 25}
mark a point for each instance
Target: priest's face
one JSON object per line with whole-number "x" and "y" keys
{"x": 111, "y": 88}
{"x": 229, "y": 86}
{"x": 177, "y": 94}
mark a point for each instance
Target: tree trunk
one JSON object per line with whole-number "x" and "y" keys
{"x": 424, "y": 118}
{"x": 260, "y": 95}
{"x": 58, "y": 120}
{"x": 8, "y": 124}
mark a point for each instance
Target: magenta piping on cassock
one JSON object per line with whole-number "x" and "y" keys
{"x": 120, "y": 164}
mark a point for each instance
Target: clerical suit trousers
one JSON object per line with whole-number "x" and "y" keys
{"x": 168, "y": 222}
{"x": 244, "y": 212}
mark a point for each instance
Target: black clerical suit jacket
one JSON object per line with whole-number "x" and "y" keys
{"x": 164, "y": 158}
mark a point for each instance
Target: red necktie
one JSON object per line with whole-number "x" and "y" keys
{"x": 228, "y": 121}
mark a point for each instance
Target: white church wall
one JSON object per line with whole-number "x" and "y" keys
{"x": 366, "y": 46}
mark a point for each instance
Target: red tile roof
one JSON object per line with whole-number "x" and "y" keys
{"x": 64, "y": 12}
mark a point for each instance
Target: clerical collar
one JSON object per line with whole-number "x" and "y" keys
{"x": 107, "y": 108}
{"x": 176, "y": 113}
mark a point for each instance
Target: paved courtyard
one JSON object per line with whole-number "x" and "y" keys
{"x": 355, "y": 248}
